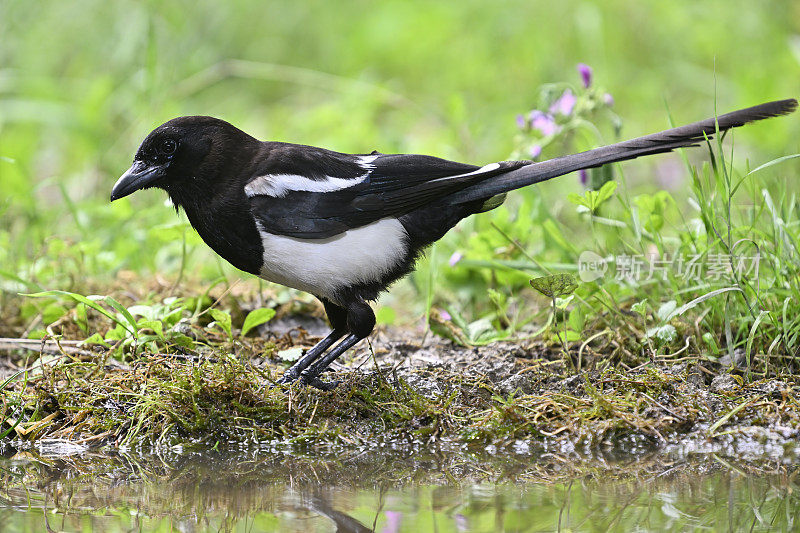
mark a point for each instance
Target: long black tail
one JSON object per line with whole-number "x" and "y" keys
{"x": 656, "y": 143}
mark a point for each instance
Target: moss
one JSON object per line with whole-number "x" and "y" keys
{"x": 164, "y": 400}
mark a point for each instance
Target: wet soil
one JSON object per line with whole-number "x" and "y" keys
{"x": 406, "y": 387}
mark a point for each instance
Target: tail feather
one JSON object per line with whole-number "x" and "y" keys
{"x": 656, "y": 143}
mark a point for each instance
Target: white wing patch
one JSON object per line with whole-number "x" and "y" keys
{"x": 486, "y": 168}
{"x": 323, "y": 266}
{"x": 279, "y": 185}
{"x": 366, "y": 162}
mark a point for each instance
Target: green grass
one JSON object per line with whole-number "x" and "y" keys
{"x": 77, "y": 94}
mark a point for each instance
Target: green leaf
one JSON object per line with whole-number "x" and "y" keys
{"x": 577, "y": 199}
{"x": 665, "y": 311}
{"x": 576, "y": 319}
{"x": 685, "y": 307}
{"x": 749, "y": 347}
{"x": 154, "y": 325}
{"x": 84, "y": 300}
{"x": 663, "y": 334}
{"x": 477, "y": 331}
{"x": 95, "y": 339}
{"x": 762, "y": 167}
{"x": 173, "y": 318}
{"x": 117, "y": 333}
{"x": 563, "y": 303}
{"x": 606, "y": 191}
{"x": 223, "y": 320}
{"x": 256, "y": 317}
{"x": 181, "y": 340}
{"x": 11, "y": 378}
{"x": 124, "y": 312}
{"x": 654, "y": 223}
{"x": 716, "y": 425}
{"x": 773, "y": 162}
{"x": 145, "y": 311}
{"x": 640, "y": 307}
{"x": 19, "y": 418}
{"x": 593, "y": 199}
{"x": 81, "y": 318}
{"x": 555, "y": 285}
{"x": 708, "y": 338}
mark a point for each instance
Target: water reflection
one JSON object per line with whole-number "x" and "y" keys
{"x": 258, "y": 489}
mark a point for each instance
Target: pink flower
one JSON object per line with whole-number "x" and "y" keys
{"x": 543, "y": 122}
{"x": 536, "y": 151}
{"x": 445, "y": 315}
{"x": 564, "y": 104}
{"x": 608, "y": 100}
{"x": 586, "y": 74}
{"x": 455, "y": 258}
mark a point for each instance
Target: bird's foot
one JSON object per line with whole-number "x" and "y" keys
{"x": 290, "y": 377}
{"x": 317, "y": 383}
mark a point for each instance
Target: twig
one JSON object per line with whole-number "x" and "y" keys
{"x": 36, "y": 345}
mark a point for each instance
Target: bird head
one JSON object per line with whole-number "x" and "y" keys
{"x": 182, "y": 155}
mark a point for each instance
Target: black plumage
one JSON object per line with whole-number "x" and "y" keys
{"x": 344, "y": 226}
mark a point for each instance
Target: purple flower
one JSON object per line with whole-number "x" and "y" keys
{"x": 586, "y": 74}
{"x": 393, "y": 519}
{"x": 584, "y": 176}
{"x": 608, "y": 99}
{"x": 543, "y": 122}
{"x": 455, "y": 258}
{"x": 521, "y": 124}
{"x": 535, "y": 152}
{"x": 564, "y": 104}
{"x": 445, "y": 315}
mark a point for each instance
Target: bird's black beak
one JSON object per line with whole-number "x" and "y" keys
{"x": 139, "y": 176}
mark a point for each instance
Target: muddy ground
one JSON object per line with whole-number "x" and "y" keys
{"x": 400, "y": 387}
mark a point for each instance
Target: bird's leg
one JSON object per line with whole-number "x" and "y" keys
{"x": 338, "y": 319}
{"x": 360, "y": 323}
{"x": 311, "y": 376}
{"x": 311, "y": 355}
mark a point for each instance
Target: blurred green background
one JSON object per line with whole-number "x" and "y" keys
{"x": 82, "y": 82}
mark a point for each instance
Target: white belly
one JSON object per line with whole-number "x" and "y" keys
{"x": 321, "y": 266}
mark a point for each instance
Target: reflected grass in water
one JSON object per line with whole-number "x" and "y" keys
{"x": 404, "y": 490}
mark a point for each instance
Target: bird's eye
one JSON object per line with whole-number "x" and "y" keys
{"x": 168, "y": 146}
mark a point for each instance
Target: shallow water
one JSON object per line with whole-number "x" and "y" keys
{"x": 406, "y": 488}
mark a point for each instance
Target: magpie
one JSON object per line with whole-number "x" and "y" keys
{"x": 344, "y": 227}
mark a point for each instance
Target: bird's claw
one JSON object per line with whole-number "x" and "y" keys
{"x": 317, "y": 383}
{"x": 289, "y": 377}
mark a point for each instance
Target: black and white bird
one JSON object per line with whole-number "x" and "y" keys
{"x": 344, "y": 227}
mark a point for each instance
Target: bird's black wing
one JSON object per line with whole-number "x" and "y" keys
{"x": 388, "y": 186}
